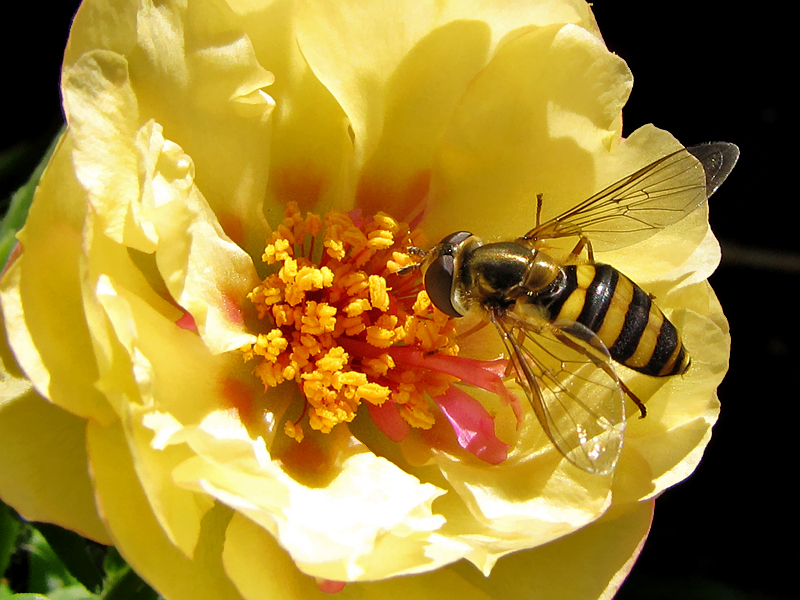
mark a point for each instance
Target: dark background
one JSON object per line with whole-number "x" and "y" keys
{"x": 705, "y": 71}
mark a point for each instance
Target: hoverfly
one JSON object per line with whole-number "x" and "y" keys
{"x": 566, "y": 320}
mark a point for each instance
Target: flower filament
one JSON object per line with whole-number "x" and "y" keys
{"x": 323, "y": 313}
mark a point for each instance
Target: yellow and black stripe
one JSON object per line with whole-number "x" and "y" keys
{"x": 635, "y": 331}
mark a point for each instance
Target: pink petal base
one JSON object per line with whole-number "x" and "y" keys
{"x": 472, "y": 424}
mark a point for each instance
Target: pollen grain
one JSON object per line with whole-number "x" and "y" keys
{"x": 333, "y": 316}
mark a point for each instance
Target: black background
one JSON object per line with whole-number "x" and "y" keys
{"x": 709, "y": 71}
{"x": 704, "y": 71}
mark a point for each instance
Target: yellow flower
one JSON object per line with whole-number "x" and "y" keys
{"x": 187, "y": 378}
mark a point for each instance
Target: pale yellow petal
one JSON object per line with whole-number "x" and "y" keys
{"x": 591, "y": 563}
{"x": 205, "y": 272}
{"x": 329, "y": 531}
{"x": 44, "y": 472}
{"x": 311, "y": 150}
{"x": 419, "y": 100}
{"x": 102, "y": 112}
{"x": 41, "y": 296}
{"x": 197, "y": 56}
{"x": 109, "y": 25}
{"x": 680, "y": 416}
{"x": 534, "y": 498}
{"x": 143, "y": 189}
{"x": 357, "y": 61}
{"x": 138, "y": 536}
{"x": 562, "y": 91}
{"x": 157, "y": 367}
{"x": 253, "y": 557}
{"x": 683, "y": 252}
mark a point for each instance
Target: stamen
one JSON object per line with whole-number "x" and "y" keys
{"x": 334, "y": 328}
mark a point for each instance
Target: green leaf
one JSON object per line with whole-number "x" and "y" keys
{"x": 5, "y": 591}
{"x": 47, "y": 572}
{"x": 73, "y": 592}
{"x": 114, "y": 565}
{"x": 73, "y": 551}
{"x": 122, "y": 582}
{"x": 20, "y": 203}
{"x": 9, "y": 529}
{"x": 28, "y": 597}
{"x": 129, "y": 587}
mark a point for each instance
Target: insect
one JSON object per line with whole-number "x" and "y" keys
{"x": 566, "y": 320}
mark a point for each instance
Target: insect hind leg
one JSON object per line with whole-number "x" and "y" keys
{"x": 639, "y": 404}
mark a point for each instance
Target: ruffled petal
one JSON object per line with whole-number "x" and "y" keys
{"x": 196, "y": 55}
{"x": 533, "y": 499}
{"x": 590, "y": 563}
{"x": 158, "y": 370}
{"x": 141, "y": 540}
{"x": 145, "y": 198}
{"x": 52, "y": 483}
{"x": 399, "y": 91}
{"x": 41, "y": 296}
{"x": 684, "y": 411}
{"x": 311, "y": 148}
{"x": 540, "y": 135}
{"x": 252, "y": 557}
{"x": 682, "y": 253}
{"x": 329, "y": 532}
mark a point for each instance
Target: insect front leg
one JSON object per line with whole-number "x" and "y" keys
{"x": 583, "y": 242}
{"x": 412, "y": 251}
{"x": 474, "y": 329}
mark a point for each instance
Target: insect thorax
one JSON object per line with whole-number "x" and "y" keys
{"x": 499, "y": 273}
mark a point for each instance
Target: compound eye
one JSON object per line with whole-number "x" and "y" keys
{"x": 439, "y": 284}
{"x": 454, "y": 239}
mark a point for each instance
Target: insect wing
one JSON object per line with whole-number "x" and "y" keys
{"x": 641, "y": 204}
{"x": 566, "y": 372}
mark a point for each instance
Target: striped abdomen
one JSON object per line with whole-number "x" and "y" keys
{"x": 635, "y": 331}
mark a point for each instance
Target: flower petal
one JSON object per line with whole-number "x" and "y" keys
{"x": 685, "y": 411}
{"x": 590, "y": 563}
{"x": 252, "y": 557}
{"x": 204, "y": 271}
{"x": 535, "y": 498}
{"x": 43, "y": 315}
{"x": 330, "y": 532}
{"x": 682, "y": 248}
{"x": 539, "y": 136}
{"x": 168, "y": 371}
{"x": 195, "y": 55}
{"x": 399, "y": 89}
{"x": 51, "y": 484}
{"x": 137, "y": 534}
{"x": 311, "y": 149}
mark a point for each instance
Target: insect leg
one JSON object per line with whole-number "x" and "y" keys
{"x": 608, "y": 369}
{"x": 583, "y": 242}
{"x": 407, "y": 269}
{"x": 474, "y": 329}
{"x": 412, "y": 251}
{"x": 516, "y": 343}
{"x": 635, "y": 398}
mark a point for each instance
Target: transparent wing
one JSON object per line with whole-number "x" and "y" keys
{"x": 639, "y": 205}
{"x": 566, "y": 373}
